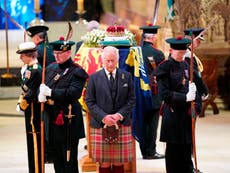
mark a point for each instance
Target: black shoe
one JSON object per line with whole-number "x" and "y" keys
{"x": 155, "y": 156}
{"x": 198, "y": 171}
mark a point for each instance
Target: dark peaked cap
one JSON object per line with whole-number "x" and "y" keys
{"x": 62, "y": 45}
{"x": 151, "y": 29}
{"x": 33, "y": 30}
{"x": 178, "y": 43}
{"x": 195, "y": 31}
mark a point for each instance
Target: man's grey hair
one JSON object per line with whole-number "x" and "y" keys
{"x": 148, "y": 35}
{"x": 110, "y": 50}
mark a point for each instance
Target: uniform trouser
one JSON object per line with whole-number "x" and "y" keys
{"x": 178, "y": 158}
{"x": 59, "y": 142}
{"x": 148, "y": 146}
{"x": 31, "y": 147}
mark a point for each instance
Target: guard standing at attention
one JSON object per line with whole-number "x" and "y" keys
{"x": 64, "y": 82}
{"x": 38, "y": 34}
{"x": 28, "y": 103}
{"x": 152, "y": 57}
{"x": 197, "y": 38}
{"x": 177, "y": 92}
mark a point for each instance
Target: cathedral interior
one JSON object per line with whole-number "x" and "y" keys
{"x": 174, "y": 16}
{"x": 213, "y": 15}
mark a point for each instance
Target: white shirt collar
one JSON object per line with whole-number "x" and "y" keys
{"x": 113, "y": 72}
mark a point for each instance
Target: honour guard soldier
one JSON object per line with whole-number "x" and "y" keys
{"x": 197, "y": 37}
{"x": 177, "y": 92}
{"x": 31, "y": 80}
{"x": 152, "y": 57}
{"x": 38, "y": 34}
{"x": 64, "y": 82}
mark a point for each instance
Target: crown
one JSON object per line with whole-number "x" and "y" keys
{"x": 115, "y": 31}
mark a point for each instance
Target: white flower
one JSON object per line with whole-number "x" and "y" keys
{"x": 92, "y": 38}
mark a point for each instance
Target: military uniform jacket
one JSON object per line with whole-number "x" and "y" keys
{"x": 31, "y": 80}
{"x": 173, "y": 80}
{"x": 149, "y": 51}
{"x": 66, "y": 81}
{"x": 201, "y": 86}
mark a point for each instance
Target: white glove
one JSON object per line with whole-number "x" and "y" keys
{"x": 41, "y": 97}
{"x": 204, "y": 97}
{"x": 45, "y": 90}
{"x": 192, "y": 87}
{"x": 18, "y": 109}
{"x": 191, "y": 95}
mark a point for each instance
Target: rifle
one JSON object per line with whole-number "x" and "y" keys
{"x": 35, "y": 142}
{"x": 193, "y": 114}
{"x": 42, "y": 111}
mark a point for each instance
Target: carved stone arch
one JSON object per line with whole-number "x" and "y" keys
{"x": 189, "y": 13}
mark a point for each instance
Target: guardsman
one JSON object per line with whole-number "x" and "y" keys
{"x": 28, "y": 103}
{"x": 38, "y": 34}
{"x": 64, "y": 82}
{"x": 177, "y": 93}
{"x": 152, "y": 57}
{"x": 196, "y": 34}
{"x": 197, "y": 37}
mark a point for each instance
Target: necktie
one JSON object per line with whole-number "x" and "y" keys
{"x": 111, "y": 79}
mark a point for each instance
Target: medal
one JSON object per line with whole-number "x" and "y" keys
{"x": 66, "y": 70}
{"x": 27, "y": 74}
{"x": 57, "y": 77}
{"x": 122, "y": 76}
{"x": 183, "y": 81}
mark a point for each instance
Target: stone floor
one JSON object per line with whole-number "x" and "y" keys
{"x": 212, "y": 138}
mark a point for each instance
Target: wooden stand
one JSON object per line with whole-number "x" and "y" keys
{"x": 86, "y": 163}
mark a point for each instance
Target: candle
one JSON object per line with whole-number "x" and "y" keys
{"x": 80, "y": 5}
{"x": 36, "y": 5}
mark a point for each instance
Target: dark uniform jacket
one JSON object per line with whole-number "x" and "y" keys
{"x": 173, "y": 80}
{"x": 149, "y": 51}
{"x": 201, "y": 86}
{"x": 31, "y": 80}
{"x": 99, "y": 99}
{"x": 66, "y": 81}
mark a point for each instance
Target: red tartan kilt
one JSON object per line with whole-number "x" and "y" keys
{"x": 120, "y": 152}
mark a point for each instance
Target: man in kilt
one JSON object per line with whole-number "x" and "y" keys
{"x": 110, "y": 98}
